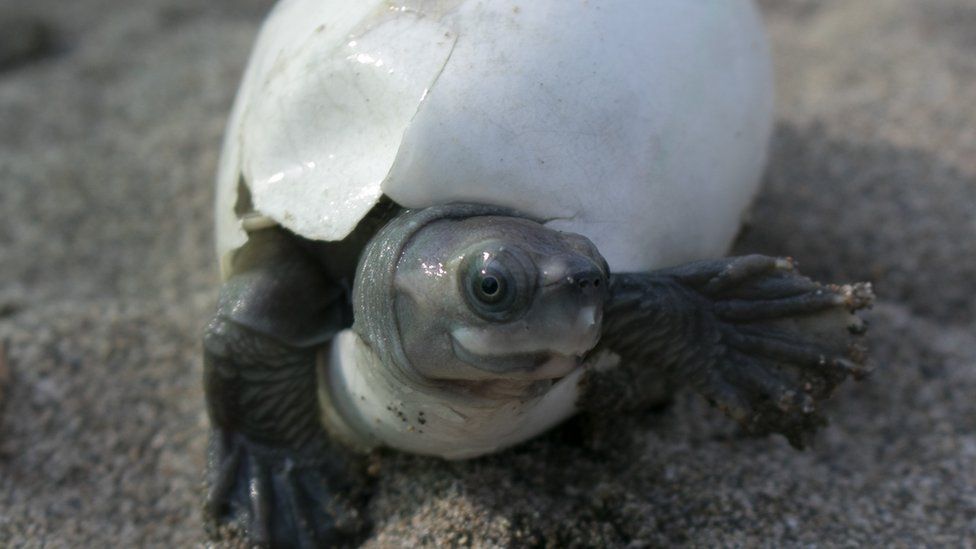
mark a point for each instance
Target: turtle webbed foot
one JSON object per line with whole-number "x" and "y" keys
{"x": 281, "y": 500}
{"x": 784, "y": 341}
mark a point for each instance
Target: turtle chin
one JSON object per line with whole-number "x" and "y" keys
{"x": 532, "y": 366}
{"x": 546, "y": 350}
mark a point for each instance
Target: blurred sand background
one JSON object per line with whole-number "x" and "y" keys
{"x": 111, "y": 115}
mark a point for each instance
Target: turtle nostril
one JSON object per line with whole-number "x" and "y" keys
{"x": 589, "y": 282}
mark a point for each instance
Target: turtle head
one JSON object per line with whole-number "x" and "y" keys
{"x": 486, "y": 296}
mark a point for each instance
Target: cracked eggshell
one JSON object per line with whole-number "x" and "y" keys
{"x": 641, "y": 124}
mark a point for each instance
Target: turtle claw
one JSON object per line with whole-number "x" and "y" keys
{"x": 786, "y": 342}
{"x": 277, "y": 500}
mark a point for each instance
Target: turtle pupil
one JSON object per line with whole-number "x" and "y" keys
{"x": 489, "y": 285}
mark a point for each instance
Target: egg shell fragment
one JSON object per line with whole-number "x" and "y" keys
{"x": 641, "y": 124}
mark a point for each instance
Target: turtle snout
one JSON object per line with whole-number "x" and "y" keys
{"x": 588, "y": 280}
{"x": 591, "y": 282}
{"x": 577, "y": 286}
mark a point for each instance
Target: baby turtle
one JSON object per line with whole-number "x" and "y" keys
{"x": 445, "y": 227}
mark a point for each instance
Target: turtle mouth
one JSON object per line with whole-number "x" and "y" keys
{"x": 535, "y": 365}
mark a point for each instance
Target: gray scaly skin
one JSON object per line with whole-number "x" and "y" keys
{"x": 754, "y": 337}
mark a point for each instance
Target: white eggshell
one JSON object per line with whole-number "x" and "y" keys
{"x": 641, "y": 124}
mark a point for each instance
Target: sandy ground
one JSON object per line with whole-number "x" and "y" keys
{"x": 111, "y": 115}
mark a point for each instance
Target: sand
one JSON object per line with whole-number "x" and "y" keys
{"x": 111, "y": 115}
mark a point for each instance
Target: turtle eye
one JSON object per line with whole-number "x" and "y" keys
{"x": 498, "y": 283}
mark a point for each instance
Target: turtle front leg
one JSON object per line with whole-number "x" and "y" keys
{"x": 760, "y": 341}
{"x": 273, "y": 470}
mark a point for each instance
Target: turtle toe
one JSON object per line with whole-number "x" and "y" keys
{"x": 276, "y": 498}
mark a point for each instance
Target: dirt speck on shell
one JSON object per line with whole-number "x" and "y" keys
{"x": 106, "y": 263}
